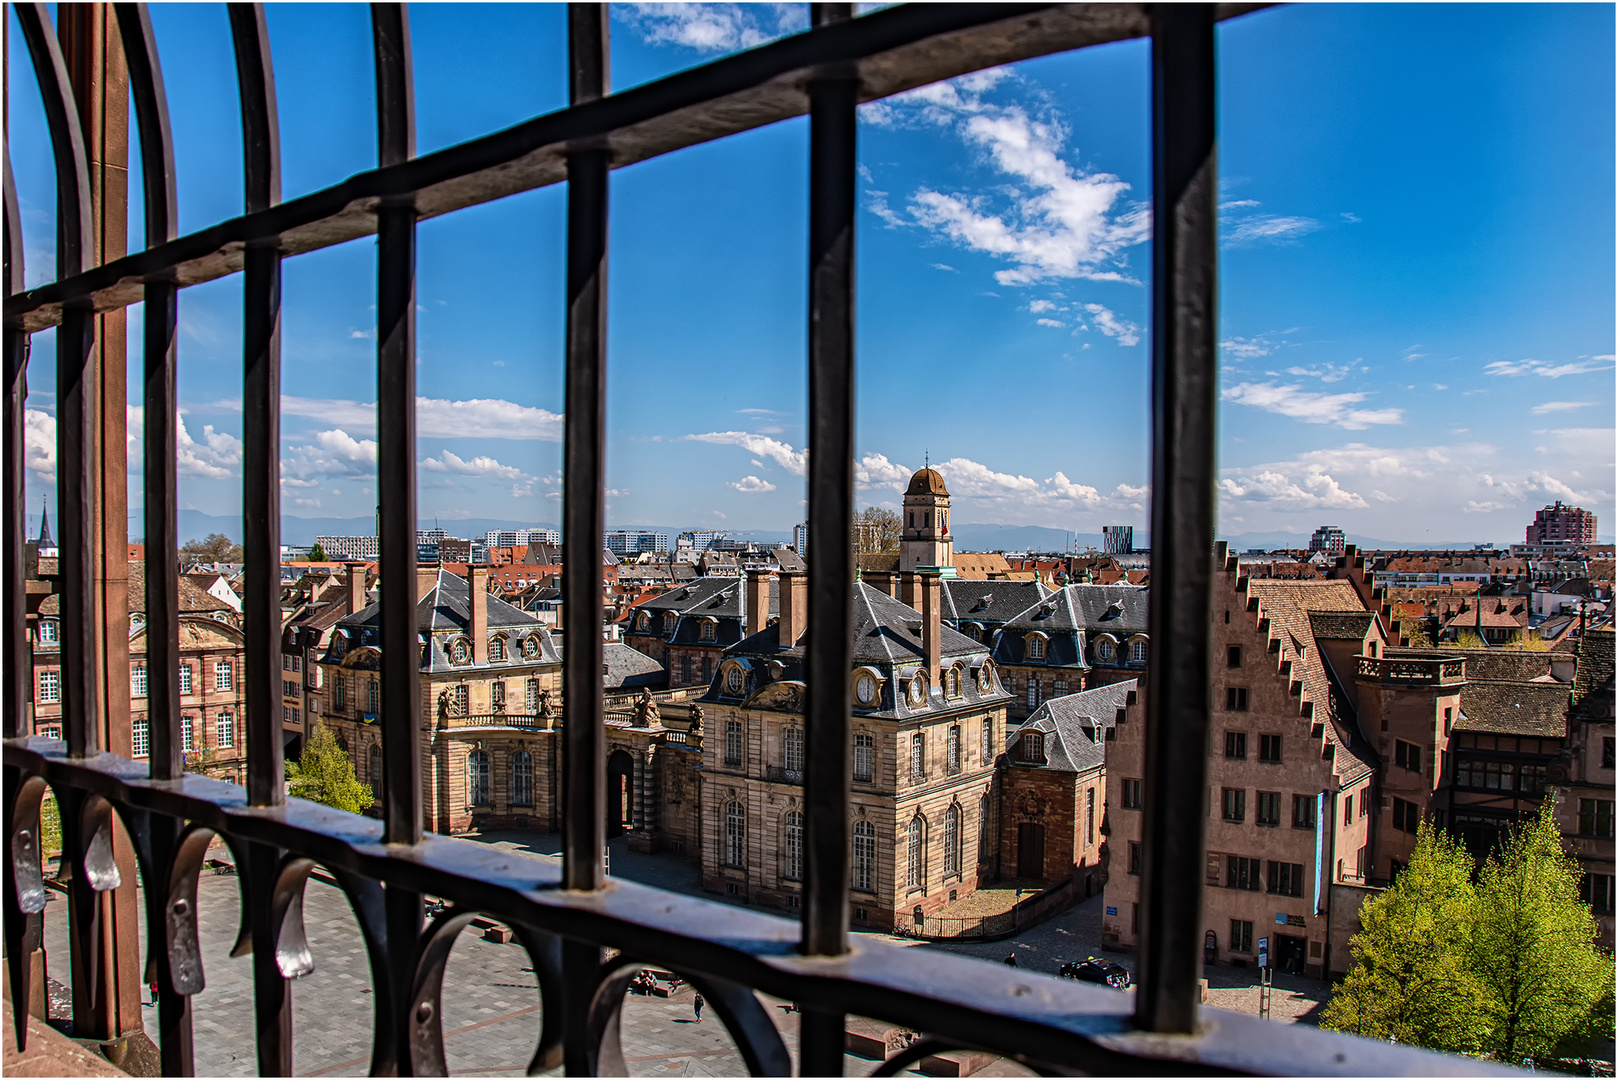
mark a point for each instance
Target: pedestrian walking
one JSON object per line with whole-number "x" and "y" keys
{"x": 696, "y": 1007}
{"x": 1011, "y": 961}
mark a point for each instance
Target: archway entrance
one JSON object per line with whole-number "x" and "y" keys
{"x": 620, "y": 792}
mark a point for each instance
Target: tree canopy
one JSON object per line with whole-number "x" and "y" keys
{"x": 324, "y": 774}
{"x": 213, "y": 548}
{"x": 876, "y": 531}
{"x": 317, "y": 553}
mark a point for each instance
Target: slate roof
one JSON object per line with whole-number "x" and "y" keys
{"x": 1340, "y": 625}
{"x": 444, "y": 612}
{"x": 1595, "y": 670}
{"x": 1537, "y": 707}
{"x": 991, "y": 603}
{"x": 1119, "y": 610}
{"x": 629, "y": 668}
{"x": 1291, "y": 607}
{"x": 1075, "y": 727}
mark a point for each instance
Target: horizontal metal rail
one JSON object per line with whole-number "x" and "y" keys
{"x": 1040, "y": 1020}
{"x": 890, "y": 51}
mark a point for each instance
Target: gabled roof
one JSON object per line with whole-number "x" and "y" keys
{"x": 627, "y": 667}
{"x": 885, "y": 631}
{"x": 990, "y": 603}
{"x": 1075, "y": 726}
{"x": 447, "y": 606}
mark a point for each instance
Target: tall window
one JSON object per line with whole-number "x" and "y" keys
{"x": 497, "y": 648}
{"x": 952, "y": 839}
{"x": 373, "y": 701}
{"x": 339, "y": 693}
{"x": 1031, "y": 747}
{"x": 915, "y": 861}
{"x": 1033, "y": 694}
{"x": 531, "y": 700}
{"x": 185, "y": 678}
{"x": 792, "y": 751}
{"x": 735, "y": 835}
{"x": 477, "y": 778}
{"x": 1089, "y": 816}
{"x": 224, "y": 677}
{"x": 864, "y": 758}
{"x": 708, "y": 630}
{"x": 952, "y": 682}
{"x": 522, "y": 779}
{"x": 864, "y": 856}
{"x": 187, "y": 733}
{"x": 373, "y": 768}
{"x": 983, "y": 829}
{"x": 733, "y": 742}
{"x": 1269, "y": 749}
{"x": 1595, "y": 817}
{"x": 497, "y": 695}
{"x": 1235, "y": 804}
{"x": 226, "y": 729}
{"x": 1236, "y": 698}
{"x": 1137, "y": 652}
{"x": 137, "y": 679}
{"x": 794, "y": 845}
{"x": 1036, "y": 648}
{"x": 1303, "y": 812}
{"x": 1133, "y": 795}
{"x": 918, "y": 756}
{"x": 1241, "y": 936}
{"x": 986, "y": 752}
{"x": 1236, "y": 745}
{"x": 143, "y": 737}
{"x": 954, "y": 749}
{"x": 1269, "y": 808}
{"x": 50, "y": 687}
{"x": 462, "y": 699}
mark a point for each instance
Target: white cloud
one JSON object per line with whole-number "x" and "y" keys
{"x": 1313, "y": 489}
{"x": 1057, "y": 222}
{"x": 1110, "y": 324}
{"x": 711, "y": 28}
{"x": 1328, "y": 372}
{"x": 436, "y": 418}
{"x": 1040, "y": 306}
{"x": 1559, "y": 406}
{"x": 481, "y": 467}
{"x": 751, "y": 485}
{"x": 793, "y": 461}
{"x": 1352, "y": 219}
{"x": 875, "y": 471}
{"x": 39, "y": 443}
{"x": 1269, "y": 228}
{"x": 218, "y": 455}
{"x": 1247, "y": 348}
{"x": 1544, "y": 368}
{"x": 1051, "y": 322}
{"x": 1311, "y": 407}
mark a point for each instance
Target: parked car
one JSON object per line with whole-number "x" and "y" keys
{"x": 1095, "y": 970}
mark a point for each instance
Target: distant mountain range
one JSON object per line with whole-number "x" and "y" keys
{"x": 300, "y": 531}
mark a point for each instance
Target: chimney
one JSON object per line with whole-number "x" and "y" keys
{"x": 932, "y": 602}
{"x": 426, "y": 579}
{"x": 882, "y": 581}
{"x": 317, "y": 586}
{"x": 794, "y": 606}
{"x": 910, "y": 589}
{"x": 758, "y": 601}
{"x": 477, "y": 583}
{"x": 356, "y": 586}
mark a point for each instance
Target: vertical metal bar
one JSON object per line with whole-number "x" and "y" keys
{"x": 160, "y": 435}
{"x": 75, "y": 410}
{"x": 829, "y": 645}
{"x": 584, "y": 804}
{"x": 1184, "y": 277}
{"x": 13, "y": 483}
{"x": 261, "y": 414}
{"x": 396, "y": 433}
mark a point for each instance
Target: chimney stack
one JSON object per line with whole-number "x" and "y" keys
{"x": 794, "y": 606}
{"x": 356, "y": 587}
{"x": 477, "y": 581}
{"x": 932, "y": 603}
{"x": 426, "y": 580}
{"x": 758, "y": 601}
{"x": 910, "y": 589}
{"x": 317, "y": 586}
{"x": 882, "y": 581}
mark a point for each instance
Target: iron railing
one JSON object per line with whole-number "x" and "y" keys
{"x": 566, "y": 918}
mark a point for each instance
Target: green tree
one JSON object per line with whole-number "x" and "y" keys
{"x": 1412, "y": 981}
{"x": 317, "y": 553}
{"x": 324, "y": 774}
{"x": 876, "y": 530}
{"x": 1533, "y": 944}
{"x": 213, "y": 548}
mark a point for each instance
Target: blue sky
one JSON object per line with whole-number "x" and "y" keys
{"x": 1416, "y": 301}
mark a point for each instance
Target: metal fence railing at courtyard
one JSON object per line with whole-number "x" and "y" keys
{"x": 571, "y": 919}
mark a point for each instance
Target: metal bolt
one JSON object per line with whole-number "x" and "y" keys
{"x": 181, "y": 906}
{"x": 424, "y": 1012}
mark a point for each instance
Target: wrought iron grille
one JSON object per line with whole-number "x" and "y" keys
{"x": 568, "y": 919}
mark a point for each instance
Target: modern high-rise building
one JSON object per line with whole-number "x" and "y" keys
{"x": 1118, "y": 539}
{"x": 635, "y": 541}
{"x": 1330, "y": 539}
{"x": 702, "y": 539}
{"x": 517, "y": 537}
{"x": 1562, "y": 526}
{"x": 348, "y": 547}
{"x": 800, "y": 538}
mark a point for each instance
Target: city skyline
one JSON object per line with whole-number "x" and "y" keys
{"x": 1416, "y": 322}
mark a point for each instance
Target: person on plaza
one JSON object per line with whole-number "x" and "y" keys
{"x": 696, "y": 1007}
{"x": 1011, "y": 961}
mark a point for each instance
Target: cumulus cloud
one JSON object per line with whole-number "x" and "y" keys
{"x": 1051, "y": 322}
{"x": 711, "y": 28}
{"x": 1545, "y": 369}
{"x": 1328, "y": 372}
{"x": 875, "y": 470}
{"x": 1056, "y": 221}
{"x": 751, "y": 485}
{"x": 793, "y": 461}
{"x": 1039, "y": 306}
{"x": 481, "y": 467}
{"x": 217, "y": 456}
{"x": 1311, "y": 407}
{"x": 1110, "y": 324}
{"x": 39, "y": 443}
{"x": 1247, "y": 348}
{"x": 436, "y": 418}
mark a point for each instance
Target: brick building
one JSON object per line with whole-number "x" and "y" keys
{"x": 1561, "y": 527}
{"x": 1078, "y": 637}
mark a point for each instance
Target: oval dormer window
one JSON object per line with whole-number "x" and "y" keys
{"x": 530, "y": 647}
{"x": 865, "y": 690}
{"x": 1104, "y": 650}
{"x": 457, "y": 652}
{"x": 986, "y": 676}
{"x": 918, "y": 690}
{"x": 734, "y": 680}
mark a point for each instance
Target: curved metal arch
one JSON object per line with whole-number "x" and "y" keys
{"x": 261, "y": 129}
{"x": 97, "y": 863}
{"x": 367, "y": 899}
{"x": 545, "y": 950}
{"x": 737, "y": 1007}
{"x": 292, "y": 956}
{"x": 152, "y": 114}
{"x": 181, "y": 937}
{"x": 67, "y": 140}
{"x": 424, "y": 1010}
{"x": 22, "y": 844}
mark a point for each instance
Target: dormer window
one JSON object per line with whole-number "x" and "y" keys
{"x": 1036, "y": 647}
{"x": 530, "y": 647}
{"x": 48, "y": 632}
{"x": 1031, "y": 748}
{"x": 669, "y": 619}
{"x": 643, "y": 621}
{"x": 1104, "y": 650}
{"x": 709, "y": 630}
{"x": 953, "y": 686}
{"x": 458, "y": 653}
{"x": 497, "y": 648}
{"x": 1137, "y": 651}
{"x": 918, "y": 689}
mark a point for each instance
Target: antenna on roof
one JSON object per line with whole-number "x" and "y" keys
{"x": 926, "y": 459}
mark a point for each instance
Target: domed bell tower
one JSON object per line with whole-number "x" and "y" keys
{"x": 924, "y": 540}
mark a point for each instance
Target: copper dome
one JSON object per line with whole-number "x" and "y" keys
{"x": 926, "y": 482}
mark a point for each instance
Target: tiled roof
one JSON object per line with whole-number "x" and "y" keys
{"x": 1514, "y": 708}
{"x": 627, "y": 667}
{"x": 447, "y": 606}
{"x": 990, "y": 603}
{"x": 1077, "y": 725}
{"x": 1595, "y": 670}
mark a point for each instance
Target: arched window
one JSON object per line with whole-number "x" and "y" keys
{"x": 735, "y": 834}
{"x": 709, "y": 630}
{"x": 916, "y": 853}
{"x": 643, "y": 621}
{"x": 864, "y": 856}
{"x": 952, "y": 686}
{"x": 983, "y": 829}
{"x": 952, "y": 839}
{"x": 1036, "y": 647}
{"x": 1137, "y": 651}
{"x": 522, "y": 779}
{"x": 373, "y": 765}
{"x": 497, "y": 648}
{"x": 794, "y": 845}
{"x": 1104, "y": 650}
{"x": 477, "y": 779}
{"x": 669, "y": 619}
{"x": 530, "y": 647}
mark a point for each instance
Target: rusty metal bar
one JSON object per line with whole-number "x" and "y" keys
{"x": 1184, "y": 313}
